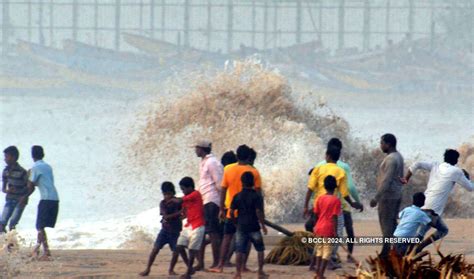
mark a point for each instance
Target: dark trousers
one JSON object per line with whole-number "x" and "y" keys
{"x": 388, "y": 212}
{"x": 441, "y": 230}
{"x": 311, "y": 222}
{"x": 349, "y": 229}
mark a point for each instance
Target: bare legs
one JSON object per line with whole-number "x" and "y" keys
{"x": 42, "y": 240}
{"x": 240, "y": 264}
{"x": 223, "y": 253}
{"x": 151, "y": 259}
{"x": 179, "y": 251}
{"x": 321, "y": 265}
{"x": 215, "y": 241}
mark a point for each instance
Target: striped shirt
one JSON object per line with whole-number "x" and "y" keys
{"x": 14, "y": 181}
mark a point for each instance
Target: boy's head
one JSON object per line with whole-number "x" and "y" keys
{"x": 419, "y": 199}
{"x": 187, "y": 185}
{"x": 451, "y": 156}
{"x": 335, "y": 142}
{"x": 11, "y": 154}
{"x": 247, "y": 179}
{"x": 228, "y": 158}
{"x": 330, "y": 184}
{"x": 332, "y": 154}
{"x": 243, "y": 153}
{"x": 167, "y": 188}
{"x": 37, "y": 152}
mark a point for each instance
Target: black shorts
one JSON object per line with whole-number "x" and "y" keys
{"x": 165, "y": 237}
{"x": 47, "y": 214}
{"x": 211, "y": 216}
{"x": 242, "y": 240}
{"x": 229, "y": 227}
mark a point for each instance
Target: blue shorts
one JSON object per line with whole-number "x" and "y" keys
{"x": 165, "y": 237}
{"x": 242, "y": 240}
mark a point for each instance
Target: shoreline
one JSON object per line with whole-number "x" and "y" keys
{"x": 116, "y": 263}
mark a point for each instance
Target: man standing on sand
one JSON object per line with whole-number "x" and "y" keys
{"x": 41, "y": 176}
{"x": 440, "y": 184}
{"x": 14, "y": 180}
{"x": 389, "y": 189}
{"x": 210, "y": 177}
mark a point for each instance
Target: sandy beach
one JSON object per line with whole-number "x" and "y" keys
{"x": 128, "y": 263}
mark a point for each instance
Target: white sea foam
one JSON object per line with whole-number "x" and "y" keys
{"x": 111, "y": 150}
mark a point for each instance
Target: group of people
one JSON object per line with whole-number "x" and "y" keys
{"x": 225, "y": 209}
{"x": 332, "y": 185}
{"x": 427, "y": 208}
{"x": 18, "y": 184}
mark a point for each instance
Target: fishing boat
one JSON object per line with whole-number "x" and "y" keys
{"x": 166, "y": 50}
{"x": 94, "y": 72}
{"x": 81, "y": 49}
{"x": 19, "y": 72}
{"x": 102, "y": 65}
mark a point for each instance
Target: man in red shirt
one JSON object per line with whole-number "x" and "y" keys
{"x": 326, "y": 209}
{"x": 192, "y": 235}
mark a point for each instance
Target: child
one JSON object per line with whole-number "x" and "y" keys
{"x": 41, "y": 176}
{"x": 412, "y": 220}
{"x": 14, "y": 184}
{"x": 249, "y": 205}
{"x": 193, "y": 232}
{"x": 170, "y": 209}
{"x": 326, "y": 209}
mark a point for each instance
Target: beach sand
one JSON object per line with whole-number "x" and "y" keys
{"x": 128, "y": 263}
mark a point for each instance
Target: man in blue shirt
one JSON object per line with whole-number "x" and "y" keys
{"x": 412, "y": 221}
{"x": 41, "y": 176}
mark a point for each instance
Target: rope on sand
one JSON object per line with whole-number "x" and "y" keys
{"x": 291, "y": 250}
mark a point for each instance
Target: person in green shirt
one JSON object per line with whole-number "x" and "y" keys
{"x": 346, "y": 221}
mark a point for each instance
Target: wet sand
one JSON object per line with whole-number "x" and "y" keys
{"x": 128, "y": 263}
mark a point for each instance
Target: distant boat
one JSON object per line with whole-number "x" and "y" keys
{"x": 18, "y": 72}
{"x": 86, "y": 63}
{"x": 81, "y": 49}
{"x": 151, "y": 46}
{"x": 166, "y": 50}
{"x": 91, "y": 71}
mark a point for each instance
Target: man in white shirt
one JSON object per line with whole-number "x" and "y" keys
{"x": 41, "y": 176}
{"x": 441, "y": 182}
{"x": 210, "y": 177}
